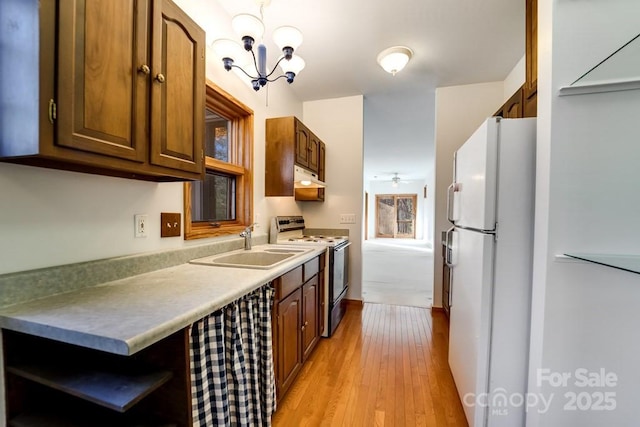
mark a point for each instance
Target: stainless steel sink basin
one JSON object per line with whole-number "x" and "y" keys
{"x": 264, "y": 258}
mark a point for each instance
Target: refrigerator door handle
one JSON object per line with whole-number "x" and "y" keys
{"x": 453, "y": 188}
{"x": 452, "y": 251}
{"x": 447, "y": 253}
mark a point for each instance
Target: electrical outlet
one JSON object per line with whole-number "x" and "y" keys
{"x": 140, "y": 225}
{"x": 347, "y": 218}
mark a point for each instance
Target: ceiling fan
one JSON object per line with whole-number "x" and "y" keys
{"x": 395, "y": 180}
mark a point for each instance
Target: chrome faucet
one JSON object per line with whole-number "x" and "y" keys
{"x": 247, "y": 237}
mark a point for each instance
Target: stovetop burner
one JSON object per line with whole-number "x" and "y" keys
{"x": 291, "y": 230}
{"x": 318, "y": 239}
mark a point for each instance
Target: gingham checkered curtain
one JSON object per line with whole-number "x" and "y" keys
{"x": 232, "y": 378}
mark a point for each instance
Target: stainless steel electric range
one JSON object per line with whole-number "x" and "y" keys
{"x": 291, "y": 230}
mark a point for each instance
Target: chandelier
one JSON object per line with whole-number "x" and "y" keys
{"x": 251, "y": 29}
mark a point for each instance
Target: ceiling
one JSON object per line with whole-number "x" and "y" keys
{"x": 455, "y": 42}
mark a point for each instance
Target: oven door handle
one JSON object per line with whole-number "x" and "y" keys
{"x": 342, "y": 247}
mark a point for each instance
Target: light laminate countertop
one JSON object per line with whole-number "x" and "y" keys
{"x": 127, "y": 315}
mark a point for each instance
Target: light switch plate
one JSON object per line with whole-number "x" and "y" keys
{"x": 170, "y": 224}
{"x": 347, "y": 218}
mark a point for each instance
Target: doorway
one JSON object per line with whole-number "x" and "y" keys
{"x": 396, "y": 215}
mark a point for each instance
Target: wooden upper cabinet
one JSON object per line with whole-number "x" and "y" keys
{"x": 531, "y": 43}
{"x": 513, "y": 108}
{"x": 314, "y": 153}
{"x": 322, "y": 155}
{"x": 288, "y": 143}
{"x": 177, "y": 91}
{"x": 303, "y": 136}
{"x": 101, "y": 98}
{"x": 523, "y": 103}
{"x": 530, "y": 93}
{"x": 121, "y": 86}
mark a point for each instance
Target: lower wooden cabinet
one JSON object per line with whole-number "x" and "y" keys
{"x": 309, "y": 329}
{"x": 289, "y": 319}
{"x": 297, "y": 321}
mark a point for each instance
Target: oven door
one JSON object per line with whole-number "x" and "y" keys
{"x": 339, "y": 268}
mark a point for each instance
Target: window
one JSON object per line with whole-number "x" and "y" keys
{"x": 396, "y": 215}
{"x": 223, "y": 202}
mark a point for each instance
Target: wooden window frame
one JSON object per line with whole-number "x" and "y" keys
{"x": 395, "y": 197}
{"x": 240, "y": 165}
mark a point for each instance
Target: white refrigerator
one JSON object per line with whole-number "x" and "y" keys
{"x": 490, "y": 251}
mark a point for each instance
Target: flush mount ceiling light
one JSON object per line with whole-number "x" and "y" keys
{"x": 251, "y": 29}
{"x": 394, "y": 58}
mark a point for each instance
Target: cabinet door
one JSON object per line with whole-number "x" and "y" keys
{"x": 289, "y": 345}
{"x": 302, "y": 144}
{"x": 321, "y": 305}
{"x": 322, "y": 155}
{"x": 102, "y": 97}
{"x": 177, "y": 89}
{"x": 314, "y": 153}
{"x": 310, "y": 316}
{"x": 531, "y": 60}
{"x": 513, "y": 108}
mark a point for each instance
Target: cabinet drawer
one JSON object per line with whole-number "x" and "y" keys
{"x": 311, "y": 268}
{"x": 289, "y": 282}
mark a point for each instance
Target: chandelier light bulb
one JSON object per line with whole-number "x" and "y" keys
{"x": 394, "y": 58}
{"x": 225, "y": 48}
{"x": 247, "y": 25}
{"x": 293, "y": 65}
{"x": 287, "y": 36}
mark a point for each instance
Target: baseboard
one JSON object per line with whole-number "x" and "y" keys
{"x": 358, "y": 303}
{"x": 438, "y": 309}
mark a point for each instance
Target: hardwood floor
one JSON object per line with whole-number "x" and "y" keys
{"x": 386, "y": 365}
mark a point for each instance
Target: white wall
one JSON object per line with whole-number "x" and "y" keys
{"x": 459, "y": 111}
{"x": 584, "y": 315}
{"x": 339, "y": 123}
{"x": 429, "y": 210}
{"x": 514, "y": 79}
{"x": 50, "y": 217}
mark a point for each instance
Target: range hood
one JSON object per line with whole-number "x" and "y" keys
{"x": 303, "y": 178}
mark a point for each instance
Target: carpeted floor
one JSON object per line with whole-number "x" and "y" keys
{"x": 398, "y": 272}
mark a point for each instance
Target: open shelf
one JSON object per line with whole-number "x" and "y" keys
{"x": 630, "y": 263}
{"x": 617, "y": 72}
{"x": 56, "y": 420}
{"x": 118, "y": 391}
{"x": 55, "y": 384}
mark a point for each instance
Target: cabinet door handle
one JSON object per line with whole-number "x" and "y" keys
{"x": 160, "y": 78}
{"x": 303, "y": 326}
{"x": 144, "y": 69}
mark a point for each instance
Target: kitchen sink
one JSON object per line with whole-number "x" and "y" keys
{"x": 285, "y": 251}
{"x": 263, "y": 258}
